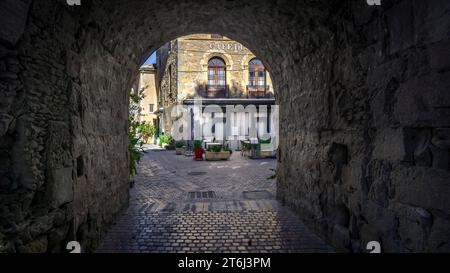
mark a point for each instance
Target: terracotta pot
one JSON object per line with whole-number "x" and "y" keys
{"x": 198, "y": 152}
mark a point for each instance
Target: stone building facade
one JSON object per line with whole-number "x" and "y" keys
{"x": 147, "y": 85}
{"x": 166, "y": 82}
{"x": 214, "y": 68}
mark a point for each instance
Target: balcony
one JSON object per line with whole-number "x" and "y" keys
{"x": 216, "y": 91}
{"x": 258, "y": 91}
{"x": 223, "y": 92}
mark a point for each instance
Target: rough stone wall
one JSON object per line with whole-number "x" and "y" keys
{"x": 162, "y": 54}
{"x": 363, "y": 120}
{"x": 168, "y": 90}
{"x": 36, "y": 195}
{"x": 371, "y": 160}
{"x": 64, "y": 171}
{"x": 100, "y": 125}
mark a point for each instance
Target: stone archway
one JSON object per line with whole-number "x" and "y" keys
{"x": 363, "y": 152}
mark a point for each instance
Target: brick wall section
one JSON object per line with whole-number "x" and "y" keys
{"x": 364, "y": 117}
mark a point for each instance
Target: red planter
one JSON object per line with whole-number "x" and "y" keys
{"x": 198, "y": 154}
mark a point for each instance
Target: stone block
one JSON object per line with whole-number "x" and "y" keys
{"x": 400, "y": 23}
{"x": 423, "y": 101}
{"x": 5, "y": 121}
{"x": 38, "y": 245}
{"x": 414, "y": 224}
{"x": 389, "y": 145}
{"x": 440, "y": 157}
{"x": 441, "y": 138}
{"x": 439, "y": 237}
{"x": 341, "y": 238}
{"x": 422, "y": 187}
{"x": 61, "y": 187}
{"x": 381, "y": 219}
{"x": 13, "y": 17}
{"x": 439, "y": 55}
{"x": 341, "y": 215}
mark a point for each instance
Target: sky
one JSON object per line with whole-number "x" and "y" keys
{"x": 151, "y": 59}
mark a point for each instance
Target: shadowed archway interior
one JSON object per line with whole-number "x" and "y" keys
{"x": 364, "y": 113}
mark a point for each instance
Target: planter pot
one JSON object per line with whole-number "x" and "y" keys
{"x": 180, "y": 151}
{"x": 223, "y": 155}
{"x": 198, "y": 154}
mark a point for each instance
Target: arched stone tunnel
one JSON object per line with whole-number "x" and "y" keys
{"x": 364, "y": 113}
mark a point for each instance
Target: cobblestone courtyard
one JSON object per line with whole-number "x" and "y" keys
{"x": 181, "y": 205}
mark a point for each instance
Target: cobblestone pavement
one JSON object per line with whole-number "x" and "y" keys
{"x": 181, "y": 205}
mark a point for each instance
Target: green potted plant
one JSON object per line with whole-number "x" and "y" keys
{"x": 180, "y": 147}
{"x": 171, "y": 144}
{"x": 198, "y": 150}
{"x": 162, "y": 140}
{"x": 167, "y": 141}
{"x": 217, "y": 152}
{"x": 146, "y": 130}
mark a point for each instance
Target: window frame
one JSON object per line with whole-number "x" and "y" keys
{"x": 257, "y": 78}
{"x": 217, "y": 72}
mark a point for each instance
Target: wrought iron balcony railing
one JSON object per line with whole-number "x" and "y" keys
{"x": 223, "y": 91}
{"x": 258, "y": 91}
{"x": 217, "y": 91}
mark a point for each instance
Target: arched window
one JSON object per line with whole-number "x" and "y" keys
{"x": 216, "y": 77}
{"x": 256, "y": 78}
{"x": 257, "y": 73}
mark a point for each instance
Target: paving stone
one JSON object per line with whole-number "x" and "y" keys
{"x": 228, "y": 223}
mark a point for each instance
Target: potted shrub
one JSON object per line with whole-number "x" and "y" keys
{"x": 180, "y": 147}
{"x": 198, "y": 150}
{"x": 162, "y": 140}
{"x": 167, "y": 142}
{"x": 146, "y": 130}
{"x": 217, "y": 152}
{"x": 171, "y": 144}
